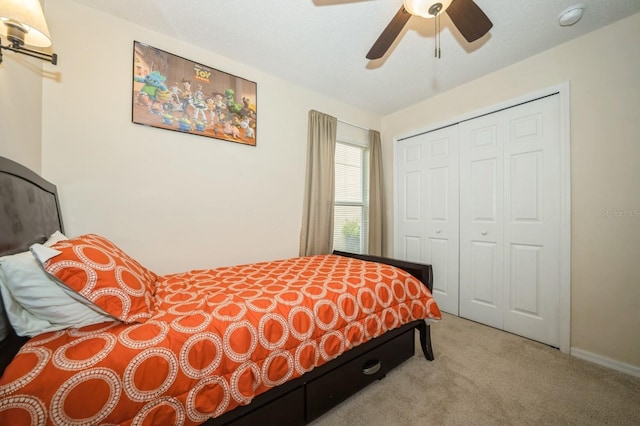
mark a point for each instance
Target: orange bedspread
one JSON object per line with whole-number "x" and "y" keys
{"x": 217, "y": 338}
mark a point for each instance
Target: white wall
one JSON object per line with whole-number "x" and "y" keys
{"x": 21, "y": 109}
{"x": 603, "y": 69}
{"x": 174, "y": 201}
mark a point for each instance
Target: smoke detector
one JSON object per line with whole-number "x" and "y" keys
{"x": 571, "y": 15}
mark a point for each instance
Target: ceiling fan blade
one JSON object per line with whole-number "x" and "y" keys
{"x": 469, "y": 19}
{"x": 384, "y": 42}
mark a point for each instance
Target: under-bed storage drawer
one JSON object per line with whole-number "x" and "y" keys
{"x": 356, "y": 374}
{"x": 287, "y": 410}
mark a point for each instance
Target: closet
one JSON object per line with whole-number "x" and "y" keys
{"x": 481, "y": 201}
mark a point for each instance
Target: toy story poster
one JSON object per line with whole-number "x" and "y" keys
{"x": 174, "y": 93}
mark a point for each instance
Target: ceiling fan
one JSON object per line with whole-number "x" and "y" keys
{"x": 465, "y": 15}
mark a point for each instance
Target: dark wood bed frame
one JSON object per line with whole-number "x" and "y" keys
{"x": 30, "y": 213}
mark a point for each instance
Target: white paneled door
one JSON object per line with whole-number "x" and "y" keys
{"x": 427, "y": 225}
{"x": 481, "y": 219}
{"x": 510, "y": 219}
{"x": 481, "y": 202}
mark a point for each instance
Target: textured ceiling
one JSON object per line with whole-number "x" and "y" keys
{"x": 321, "y": 44}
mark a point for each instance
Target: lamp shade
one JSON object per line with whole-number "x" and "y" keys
{"x": 423, "y": 7}
{"x": 27, "y": 17}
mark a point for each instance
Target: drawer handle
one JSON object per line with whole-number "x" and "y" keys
{"x": 371, "y": 367}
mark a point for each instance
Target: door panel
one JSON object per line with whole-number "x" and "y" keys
{"x": 411, "y": 200}
{"x": 412, "y": 247}
{"x": 485, "y": 274}
{"x": 525, "y": 182}
{"x": 412, "y": 197}
{"x": 439, "y": 191}
{"x": 434, "y": 218}
{"x": 481, "y": 240}
{"x": 524, "y": 294}
{"x": 439, "y": 249}
{"x": 532, "y": 225}
{"x": 484, "y": 190}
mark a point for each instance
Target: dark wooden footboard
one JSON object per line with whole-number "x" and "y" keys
{"x": 419, "y": 270}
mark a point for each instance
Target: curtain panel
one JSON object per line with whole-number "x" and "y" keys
{"x": 377, "y": 246}
{"x": 316, "y": 235}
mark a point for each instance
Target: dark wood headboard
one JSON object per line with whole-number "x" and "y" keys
{"x": 29, "y": 208}
{"x": 29, "y": 213}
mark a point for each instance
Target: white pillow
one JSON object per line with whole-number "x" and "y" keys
{"x": 4, "y": 321}
{"x": 35, "y": 303}
{"x": 56, "y": 237}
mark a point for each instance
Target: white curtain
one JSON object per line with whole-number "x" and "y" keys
{"x": 316, "y": 235}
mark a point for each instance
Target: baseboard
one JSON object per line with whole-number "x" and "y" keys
{"x": 632, "y": 370}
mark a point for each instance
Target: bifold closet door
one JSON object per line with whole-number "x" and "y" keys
{"x": 481, "y": 219}
{"x": 510, "y": 219}
{"x": 427, "y": 223}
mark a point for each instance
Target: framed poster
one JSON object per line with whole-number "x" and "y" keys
{"x": 174, "y": 93}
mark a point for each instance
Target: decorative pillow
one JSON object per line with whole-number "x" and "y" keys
{"x": 98, "y": 270}
{"x": 33, "y": 300}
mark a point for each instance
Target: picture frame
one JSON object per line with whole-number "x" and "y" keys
{"x": 178, "y": 94}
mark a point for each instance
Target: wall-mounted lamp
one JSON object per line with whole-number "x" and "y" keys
{"x": 23, "y": 23}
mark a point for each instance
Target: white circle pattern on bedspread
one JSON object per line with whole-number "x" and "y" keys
{"x": 216, "y": 339}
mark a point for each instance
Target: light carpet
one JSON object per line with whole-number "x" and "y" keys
{"x": 484, "y": 376}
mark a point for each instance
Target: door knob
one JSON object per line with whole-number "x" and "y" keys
{"x": 484, "y": 232}
{"x": 438, "y": 231}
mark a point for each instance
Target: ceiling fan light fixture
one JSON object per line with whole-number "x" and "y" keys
{"x": 426, "y": 8}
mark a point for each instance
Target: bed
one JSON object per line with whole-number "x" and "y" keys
{"x": 277, "y": 342}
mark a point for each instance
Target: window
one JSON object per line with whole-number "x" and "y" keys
{"x": 351, "y": 214}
